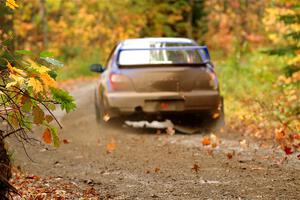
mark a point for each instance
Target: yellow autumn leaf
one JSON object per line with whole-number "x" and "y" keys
{"x": 14, "y": 70}
{"x": 10, "y": 84}
{"x": 35, "y": 84}
{"x": 16, "y": 80}
{"x": 48, "y": 81}
{"x": 19, "y": 71}
{"x": 11, "y": 4}
{"x": 294, "y": 60}
{"x": 40, "y": 69}
{"x": 10, "y": 68}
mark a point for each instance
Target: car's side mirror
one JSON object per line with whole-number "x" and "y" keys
{"x": 97, "y": 68}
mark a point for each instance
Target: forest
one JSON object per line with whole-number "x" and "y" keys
{"x": 255, "y": 46}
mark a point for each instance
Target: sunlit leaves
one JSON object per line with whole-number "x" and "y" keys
{"x": 11, "y": 4}
{"x": 29, "y": 94}
{"x": 36, "y": 85}
{"x": 48, "y": 81}
{"x": 23, "y": 52}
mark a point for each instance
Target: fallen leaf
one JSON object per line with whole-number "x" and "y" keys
{"x": 65, "y": 141}
{"x": 215, "y": 141}
{"x": 106, "y": 117}
{"x": 216, "y": 115}
{"x": 230, "y": 155}
{"x": 206, "y": 141}
{"x": 110, "y": 147}
{"x": 298, "y": 156}
{"x": 243, "y": 144}
{"x": 297, "y": 136}
{"x": 195, "y": 168}
{"x": 47, "y": 136}
{"x": 156, "y": 170}
{"x": 90, "y": 191}
{"x": 288, "y": 150}
{"x": 280, "y": 134}
{"x": 210, "y": 152}
{"x": 34, "y": 177}
{"x": 282, "y": 161}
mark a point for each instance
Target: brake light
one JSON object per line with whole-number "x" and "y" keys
{"x": 119, "y": 81}
{"x": 213, "y": 82}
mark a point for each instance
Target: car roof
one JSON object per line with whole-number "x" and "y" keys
{"x": 138, "y": 42}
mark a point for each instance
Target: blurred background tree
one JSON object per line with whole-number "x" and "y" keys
{"x": 237, "y": 32}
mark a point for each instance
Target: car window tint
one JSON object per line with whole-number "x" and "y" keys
{"x": 159, "y": 56}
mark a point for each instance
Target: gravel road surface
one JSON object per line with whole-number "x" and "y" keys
{"x": 142, "y": 164}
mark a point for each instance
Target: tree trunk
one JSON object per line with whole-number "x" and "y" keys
{"x": 190, "y": 20}
{"x": 5, "y": 170}
{"x": 44, "y": 25}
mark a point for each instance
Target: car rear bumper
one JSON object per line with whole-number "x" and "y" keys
{"x": 153, "y": 102}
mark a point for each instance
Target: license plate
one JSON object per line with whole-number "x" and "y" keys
{"x": 164, "y": 105}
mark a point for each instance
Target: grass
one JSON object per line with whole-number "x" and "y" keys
{"x": 245, "y": 78}
{"x": 79, "y": 66}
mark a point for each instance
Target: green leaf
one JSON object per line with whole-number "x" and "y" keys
{"x": 45, "y": 54}
{"x": 51, "y": 106}
{"x": 294, "y": 35}
{"x": 290, "y": 19}
{"x": 281, "y": 51}
{"x": 38, "y": 115}
{"x": 53, "y": 61}
{"x": 13, "y": 119}
{"x": 53, "y": 74}
{"x": 24, "y": 52}
{"x": 27, "y": 106}
{"x": 65, "y": 100}
{"x": 55, "y": 137}
{"x": 26, "y": 123}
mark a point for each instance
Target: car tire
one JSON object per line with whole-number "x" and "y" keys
{"x": 99, "y": 113}
{"x": 218, "y": 123}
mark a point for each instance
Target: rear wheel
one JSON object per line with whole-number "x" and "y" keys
{"x": 218, "y": 120}
{"x": 99, "y": 112}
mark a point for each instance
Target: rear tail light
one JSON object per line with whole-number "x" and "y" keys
{"x": 213, "y": 82}
{"x": 119, "y": 82}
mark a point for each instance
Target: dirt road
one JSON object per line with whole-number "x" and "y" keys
{"x": 144, "y": 165}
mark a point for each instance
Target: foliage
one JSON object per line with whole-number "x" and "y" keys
{"x": 29, "y": 92}
{"x": 181, "y": 18}
{"x": 235, "y": 26}
{"x": 285, "y": 107}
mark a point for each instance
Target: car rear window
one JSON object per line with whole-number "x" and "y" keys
{"x": 160, "y": 56}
